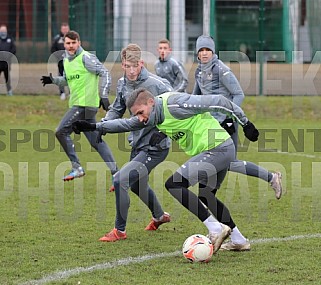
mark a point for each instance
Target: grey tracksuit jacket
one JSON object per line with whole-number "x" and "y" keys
{"x": 181, "y": 106}
{"x": 173, "y": 71}
{"x": 216, "y": 78}
{"x": 156, "y": 85}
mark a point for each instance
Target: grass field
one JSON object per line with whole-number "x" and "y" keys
{"x": 49, "y": 229}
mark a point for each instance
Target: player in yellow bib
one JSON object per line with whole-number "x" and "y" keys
{"x": 186, "y": 119}
{"x": 82, "y": 73}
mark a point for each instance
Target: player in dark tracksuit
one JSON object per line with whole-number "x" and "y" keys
{"x": 58, "y": 49}
{"x": 7, "y": 49}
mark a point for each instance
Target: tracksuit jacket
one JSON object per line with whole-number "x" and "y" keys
{"x": 154, "y": 84}
{"x": 215, "y": 78}
{"x": 170, "y": 69}
{"x": 181, "y": 106}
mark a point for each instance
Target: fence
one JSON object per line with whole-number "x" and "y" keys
{"x": 106, "y": 25}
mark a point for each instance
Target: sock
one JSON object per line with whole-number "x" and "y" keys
{"x": 237, "y": 237}
{"x": 213, "y": 225}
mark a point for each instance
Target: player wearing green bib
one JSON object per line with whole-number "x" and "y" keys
{"x": 186, "y": 119}
{"x": 82, "y": 73}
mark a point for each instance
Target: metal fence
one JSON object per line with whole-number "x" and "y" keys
{"x": 107, "y": 25}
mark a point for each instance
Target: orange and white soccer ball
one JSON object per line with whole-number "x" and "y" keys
{"x": 198, "y": 248}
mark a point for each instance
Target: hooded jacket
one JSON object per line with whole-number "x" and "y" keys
{"x": 215, "y": 78}
{"x": 154, "y": 84}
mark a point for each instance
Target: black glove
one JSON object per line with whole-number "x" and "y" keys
{"x": 251, "y": 132}
{"x": 46, "y": 80}
{"x": 104, "y": 102}
{"x": 228, "y": 125}
{"x": 83, "y": 126}
{"x": 156, "y": 138}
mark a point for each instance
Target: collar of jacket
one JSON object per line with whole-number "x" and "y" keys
{"x": 143, "y": 76}
{"x": 167, "y": 58}
{"x": 208, "y": 65}
{"x": 157, "y": 114}
{"x": 71, "y": 57}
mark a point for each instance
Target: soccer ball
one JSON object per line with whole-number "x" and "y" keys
{"x": 198, "y": 248}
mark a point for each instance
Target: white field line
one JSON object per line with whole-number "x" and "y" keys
{"x": 60, "y": 275}
{"x": 300, "y": 154}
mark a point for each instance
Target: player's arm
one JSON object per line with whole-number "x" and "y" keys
{"x": 196, "y": 89}
{"x": 93, "y": 65}
{"x": 181, "y": 78}
{"x": 58, "y": 80}
{"x": 229, "y": 80}
{"x": 184, "y": 105}
{"x": 112, "y": 126}
{"x": 61, "y": 81}
{"x": 118, "y": 108}
{"x": 120, "y": 125}
{"x": 190, "y": 105}
{"x": 163, "y": 85}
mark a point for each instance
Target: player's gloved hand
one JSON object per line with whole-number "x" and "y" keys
{"x": 228, "y": 125}
{"x": 83, "y": 126}
{"x": 75, "y": 129}
{"x": 46, "y": 79}
{"x": 104, "y": 102}
{"x": 156, "y": 138}
{"x": 251, "y": 132}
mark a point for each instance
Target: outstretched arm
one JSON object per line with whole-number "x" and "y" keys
{"x": 111, "y": 126}
{"x": 186, "y": 105}
{"x": 183, "y": 105}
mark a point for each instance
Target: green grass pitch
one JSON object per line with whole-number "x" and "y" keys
{"x": 49, "y": 229}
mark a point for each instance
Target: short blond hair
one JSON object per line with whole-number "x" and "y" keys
{"x": 132, "y": 53}
{"x": 165, "y": 41}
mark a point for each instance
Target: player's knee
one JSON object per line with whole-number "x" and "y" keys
{"x": 58, "y": 133}
{"x": 176, "y": 182}
{"x": 169, "y": 183}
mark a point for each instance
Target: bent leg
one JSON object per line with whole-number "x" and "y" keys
{"x": 103, "y": 149}
{"x": 134, "y": 175}
{"x": 149, "y": 159}
{"x": 250, "y": 169}
{"x": 64, "y": 131}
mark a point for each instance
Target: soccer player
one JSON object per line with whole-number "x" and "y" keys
{"x": 212, "y": 76}
{"x": 169, "y": 68}
{"x": 82, "y": 71}
{"x": 143, "y": 156}
{"x": 186, "y": 119}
